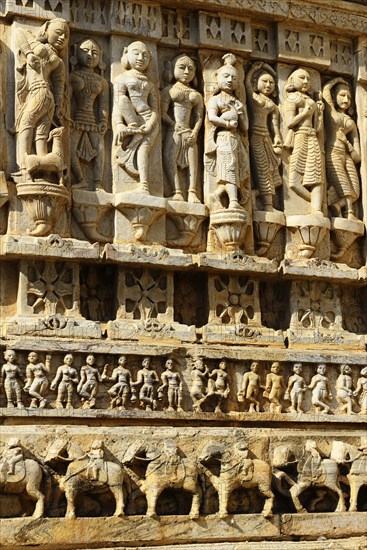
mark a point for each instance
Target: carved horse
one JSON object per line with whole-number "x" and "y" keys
{"x": 236, "y": 470}
{"x": 27, "y": 478}
{"x": 345, "y": 453}
{"x": 166, "y": 469}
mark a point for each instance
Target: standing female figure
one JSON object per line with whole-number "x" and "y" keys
{"x": 265, "y": 144}
{"x": 134, "y": 114}
{"x": 182, "y": 113}
{"x": 303, "y": 120}
{"x": 343, "y": 149}
{"x": 40, "y": 90}
{"x": 225, "y": 151}
{"x": 89, "y": 114}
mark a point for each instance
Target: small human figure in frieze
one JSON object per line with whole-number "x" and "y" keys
{"x": 321, "y": 390}
{"x": 89, "y": 383}
{"x": 250, "y": 388}
{"x": 12, "y": 455}
{"x": 37, "y": 379}
{"x": 10, "y": 376}
{"x": 120, "y": 392}
{"x": 218, "y": 384}
{"x": 344, "y": 390}
{"x": 296, "y": 389}
{"x": 65, "y": 381}
{"x": 361, "y": 391}
{"x": 199, "y": 383}
{"x": 182, "y": 114}
{"x": 274, "y": 388}
{"x": 172, "y": 385}
{"x": 147, "y": 379}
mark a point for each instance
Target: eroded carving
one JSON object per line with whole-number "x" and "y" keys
{"x": 10, "y": 376}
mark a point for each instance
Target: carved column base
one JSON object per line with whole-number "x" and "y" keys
{"x": 343, "y": 234}
{"x": 139, "y": 218}
{"x": 266, "y": 227}
{"x": 89, "y": 211}
{"x": 229, "y": 227}
{"x": 305, "y": 235}
{"x": 130, "y": 329}
{"x": 183, "y": 224}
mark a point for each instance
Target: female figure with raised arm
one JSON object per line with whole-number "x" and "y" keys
{"x": 303, "y": 120}
{"x": 134, "y": 114}
{"x": 41, "y": 88}
{"x": 182, "y": 113}
{"x": 265, "y": 144}
{"x": 225, "y": 148}
{"x": 343, "y": 149}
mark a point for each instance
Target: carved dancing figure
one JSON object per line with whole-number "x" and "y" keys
{"x": 265, "y": 144}
{"x": 147, "y": 378}
{"x": 40, "y": 90}
{"x": 250, "y": 388}
{"x": 134, "y": 114}
{"x": 296, "y": 389}
{"x": 361, "y": 390}
{"x": 218, "y": 384}
{"x": 37, "y": 379}
{"x": 304, "y": 118}
{"x": 321, "y": 390}
{"x": 344, "y": 390}
{"x": 89, "y": 383}
{"x": 172, "y": 384}
{"x": 226, "y": 154}
{"x": 198, "y": 390}
{"x": 90, "y": 109}
{"x": 11, "y": 373}
{"x": 274, "y": 388}
{"x": 120, "y": 391}
{"x": 65, "y": 379}
{"x": 343, "y": 150}
{"x": 182, "y": 113}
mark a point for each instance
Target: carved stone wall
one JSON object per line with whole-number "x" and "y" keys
{"x": 183, "y": 305}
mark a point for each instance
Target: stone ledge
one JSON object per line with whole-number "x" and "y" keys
{"x": 82, "y": 532}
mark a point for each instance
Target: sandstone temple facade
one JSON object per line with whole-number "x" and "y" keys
{"x": 183, "y": 263}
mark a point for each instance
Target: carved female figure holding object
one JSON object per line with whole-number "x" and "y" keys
{"x": 11, "y": 373}
{"x": 40, "y": 90}
{"x": 226, "y": 155}
{"x": 266, "y": 148}
{"x": 65, "y": 379}
{"x": 343, "y": 150}
{"x": 89, "y": 114}
{"x": 135, "y": 114}
{"x": 182, "y": 113}
{"x": 121, "y": 376}
{"x": 303, "y": 120}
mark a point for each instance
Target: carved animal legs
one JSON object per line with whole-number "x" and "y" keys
{"x": 117, "y": 492}
{"x": 195, "y": 506}
{"x": 355, "y": 485}
{"x": 152, "y": 496}
{"x": 70, "y": 494}
{"x": 268, "y": 505}
{"x": 341, "y": 503}
{"x": 36, "y": 495}
{"x": 295, "y": 491}
{"x": 223, "y": 494}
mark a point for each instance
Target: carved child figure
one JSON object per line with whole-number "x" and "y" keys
{"x": 362, "y": 390}
{"x": 180, "y": 152}
{"x": 198, "y": 390}
{"x": 90, "y": 117}
{"x": 274, "y": 388}
{"x": 120, "y": 391}
{"x": 12, "y": 454}
{"x": 11, "y": 373}
{"x": 321, "y": 390}
{"x": 218, "y": 384}
{"x": 147, "y": 378}
{"x": 37, "y": 381}
{"x": 171, "y": 382}
{"x": 296, "y": 389}
{"x": 250, "y": 388}
{"x": 344, "y": 390}
{"x": 89, "y": 383}
{"x": 65, "y": 379}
